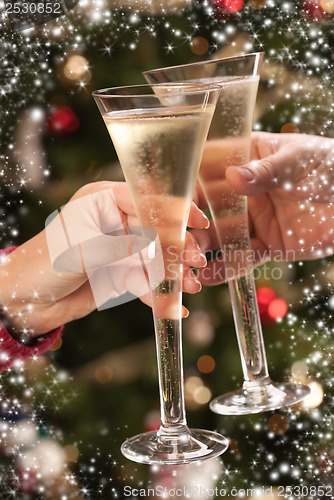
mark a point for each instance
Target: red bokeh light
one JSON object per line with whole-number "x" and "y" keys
{"x": 231, "y": 6}
{"x": 264, "y": 296}
{"x": 277, "y": 308}
{"x": 312, "y": 10}
{"x": 270, "y": 307}
{"x": 63, "y": 121}
{"x": 152, "y": 421}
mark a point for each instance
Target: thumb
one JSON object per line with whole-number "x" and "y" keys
{"x": 282, "y": 169}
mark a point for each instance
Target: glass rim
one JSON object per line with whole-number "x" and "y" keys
{"x": 207, "y": 61}
{"x": 197, "y": 87}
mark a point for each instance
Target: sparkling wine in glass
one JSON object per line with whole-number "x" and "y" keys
{"x": 229, "y": 140}
{"x": 159, "y": 133}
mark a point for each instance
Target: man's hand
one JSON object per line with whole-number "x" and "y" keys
{"x": 290, "y": 187}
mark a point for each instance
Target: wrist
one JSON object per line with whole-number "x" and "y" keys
{"x": 19, "y": 334}
{"x": 17, "y": 312}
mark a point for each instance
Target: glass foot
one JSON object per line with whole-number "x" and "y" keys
{"x": 151, "y": 448}
{"x": 255, "y": 397}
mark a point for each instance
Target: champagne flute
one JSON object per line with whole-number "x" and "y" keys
{"x": 159, "y": 133}
{"x": 230, "y": 139}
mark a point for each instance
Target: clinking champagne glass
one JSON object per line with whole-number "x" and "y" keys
{"x": 159, "y": 134}
{"x": 230, "y": 139}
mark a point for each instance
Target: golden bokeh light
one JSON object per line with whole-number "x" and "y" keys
{"x": 257, "y": 4}
{"x": 278, "y": 424}
{"x": 327, "y": 6}
{"x": 76, "y": 67}
{"x": 206, "y": 364}
{"x": 289, "y": 128}
{"x": 103, "y": 374}
{"x": 196, "y": 393}
{"x": 192, "y": 383}
{"x": 314, "y": 399}
{"x": 299, "y": 370}
{"x": 71, "y": 453}
{"x": 57, "y": 345}
{"x": 202, "y": 395}
{"x": 234, "y": 447}
{"x": 199, "y": 45}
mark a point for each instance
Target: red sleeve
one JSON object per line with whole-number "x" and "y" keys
{"x": 11, "y": 350}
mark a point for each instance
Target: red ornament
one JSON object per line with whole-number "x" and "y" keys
{"x": 63, "y": 121}
{"x": 26, "y": 480}
{"x": 229, "y": 6}
{"x": 312, "y": 10}
{"x": 233, "y": 5}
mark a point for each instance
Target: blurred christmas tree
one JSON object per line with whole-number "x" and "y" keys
{"x": 101, "y": 385}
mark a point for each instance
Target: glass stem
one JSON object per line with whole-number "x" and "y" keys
{"x": 248, "y": 328}
{"x": 167, "y": 301}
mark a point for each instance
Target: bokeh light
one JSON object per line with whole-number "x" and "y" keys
{"x": 103, "y": 374}
{"x": 299, "y": 370}
{"x": 206, "y": 364}
{"x": 71, "y": 452}
{"x": 265, "y": 295}
{"x": 289, "y": 128}
{"x": 63, "y": 121}
{"x": 327, "y": 5}
{"x": 196, "y": 393}
{"x": 76, "y": 67}
{"x": 199, "y": 45}
{"x": 278, "y": 424}
{"x": 315, "y": 398}
{"x": 202, "y": 395}
{"x": 257, "y": 4}
{"x": 57, "y": 345}
{"x": 277, "y": 309}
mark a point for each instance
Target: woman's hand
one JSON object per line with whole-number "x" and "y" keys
{"x": 39, "y": 293}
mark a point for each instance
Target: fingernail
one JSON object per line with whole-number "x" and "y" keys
{"x": 203, "y": 257}
{"x": 206, "y": 220}
{"x": 200, "y": 251}
{"x": 185, "y": 312}
{"x": 199, "y": 283}
{"x": 247, "y": 174}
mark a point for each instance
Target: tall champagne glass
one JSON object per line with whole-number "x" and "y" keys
{"x": 159, "y": 134}
{"x": 230, "y": 140}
